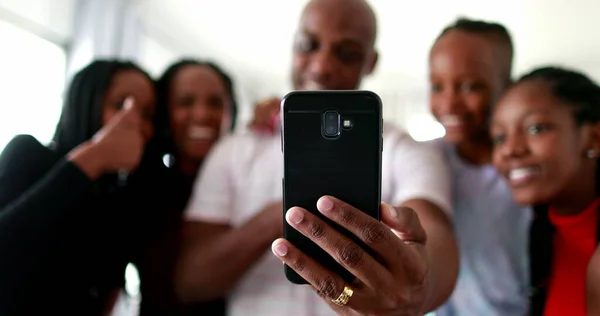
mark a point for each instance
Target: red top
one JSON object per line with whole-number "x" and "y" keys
{"x": 574, "y": 245}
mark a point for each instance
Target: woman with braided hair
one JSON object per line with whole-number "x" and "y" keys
{"x": 546, "y": 132}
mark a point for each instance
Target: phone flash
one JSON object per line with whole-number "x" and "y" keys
{"x": 347, "y": 123}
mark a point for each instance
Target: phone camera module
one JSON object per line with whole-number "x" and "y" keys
{"x": 331, "y": 123}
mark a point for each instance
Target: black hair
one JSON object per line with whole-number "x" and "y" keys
{"x": 575, "y": 89}
{"x": 495, "y": 31}
{"x": 81, "y": 115}
{"x": 163, "y": 137}
{"x": 582, "y": 95}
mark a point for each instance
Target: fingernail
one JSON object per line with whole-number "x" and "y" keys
{"x": 325, "y": 204}
{"x": 280, "y": 249}
{"x": 128, "y": 103}
{"x": 391, "y": 210}
{"x": 295, "y": 216}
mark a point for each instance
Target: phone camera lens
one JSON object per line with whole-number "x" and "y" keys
{"x": 331, "y": 123}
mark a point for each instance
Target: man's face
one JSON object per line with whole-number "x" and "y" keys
{"x": 333, "y": 48}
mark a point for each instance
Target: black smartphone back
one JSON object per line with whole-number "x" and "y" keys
{"x": 332, "y": 143}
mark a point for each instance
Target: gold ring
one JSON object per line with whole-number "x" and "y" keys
{"x": 344, "y": 297}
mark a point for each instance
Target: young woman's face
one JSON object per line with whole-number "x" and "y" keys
{"x": 199, "y": 107}
{"x": 131, "y": 83}
{"x": 465, "y": 80}
{"x": 539, "y": 147}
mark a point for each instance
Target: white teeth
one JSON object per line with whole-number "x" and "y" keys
{"x": 451, "y": 120}
{"x": 313, "y": 86}
{"x": 201, "y": 133}
{"x": 522, "y": 173}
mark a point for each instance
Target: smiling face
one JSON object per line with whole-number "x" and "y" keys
{"x": 199, "y": 106}
{"x": 465, "y": 81}
{"x": 333, "y": 48}
{"x": 540, "y": 148}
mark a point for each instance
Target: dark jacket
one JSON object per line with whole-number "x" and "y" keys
{"x": 156, "y": 262}
{"x": 64, "y": 240}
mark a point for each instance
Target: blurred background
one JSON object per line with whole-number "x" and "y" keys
{"x": 42, "y": 42}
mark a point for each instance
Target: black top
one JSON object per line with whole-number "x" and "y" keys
{"x": 156, "y": 263}
{"x": 64, "y": 240}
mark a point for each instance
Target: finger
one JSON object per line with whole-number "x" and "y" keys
{"x": 129, "y": 115}
{"x": 373, "y": 233}
{"x": 327, "y": 284}
{"x": 405, "y": 222}
{"x": 341, "y": 248}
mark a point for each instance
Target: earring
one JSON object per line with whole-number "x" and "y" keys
{"x": 591, "y": 154}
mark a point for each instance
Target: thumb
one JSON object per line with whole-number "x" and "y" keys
{"x": 404, "y": 222}
{"x": 128, "y": 114}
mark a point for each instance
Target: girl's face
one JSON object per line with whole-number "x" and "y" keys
{"x": 199, "y": 106}
{"x": 131, "y": 83}
{"x": 539, "y": 147}
{"x": 465, "y": 79}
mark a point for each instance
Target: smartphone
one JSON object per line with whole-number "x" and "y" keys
{"x": 331, "y": 143}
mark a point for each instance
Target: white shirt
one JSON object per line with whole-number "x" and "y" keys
{"x": 243, "y": 174}
{"x": 492, "y": 233}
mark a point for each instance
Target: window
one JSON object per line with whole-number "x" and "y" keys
{"x": 32, "y": 78}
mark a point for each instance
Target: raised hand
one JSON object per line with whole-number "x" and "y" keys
{"x": 266, "y": 114}
{"x": 117, "y": 147}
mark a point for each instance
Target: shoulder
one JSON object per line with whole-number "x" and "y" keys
{"x": 416, "y": 160}
{"x": 402, "y": 142}
{"x": 23, "y": 149}
{"x": 233, "y": 142}
{"x": 244, "y": 146}
{"x": 22, "y": 142}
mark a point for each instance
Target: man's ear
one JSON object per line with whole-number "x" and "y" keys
{"x": 593, "y": 143}
{"x": 372, "y": 63}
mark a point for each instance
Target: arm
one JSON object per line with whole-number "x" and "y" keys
{"x": 33, "y": 210}
{"x": 215, "y": 254}
{"x": 593, "y": 284}
{"x": 425, "y": 186}
{"x": 441, "y": 249}
{"x": 28, "y": 211}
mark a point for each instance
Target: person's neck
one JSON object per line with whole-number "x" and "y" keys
{"x": 578, "y": 198}
{"x": 476, "y": 152}
{"x": 189, "y": 167}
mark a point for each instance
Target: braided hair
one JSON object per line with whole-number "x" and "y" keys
{"x": 81, "y": 116}
{"x": 497, "y": 32}
{"x": 582, "y": 95}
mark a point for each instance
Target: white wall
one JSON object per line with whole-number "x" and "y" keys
{"x": 160, "y": 47}
{"x": 254, "y": 39}
{"x": 50, "y": 18}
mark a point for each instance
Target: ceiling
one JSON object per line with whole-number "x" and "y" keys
{"x": 254, "y": 37}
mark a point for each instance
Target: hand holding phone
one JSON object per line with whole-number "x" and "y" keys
{"x": 332, "y": 144}
{"x": 333, "y": 237}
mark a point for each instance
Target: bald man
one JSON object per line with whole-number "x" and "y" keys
{"x": 236, "y": 212}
